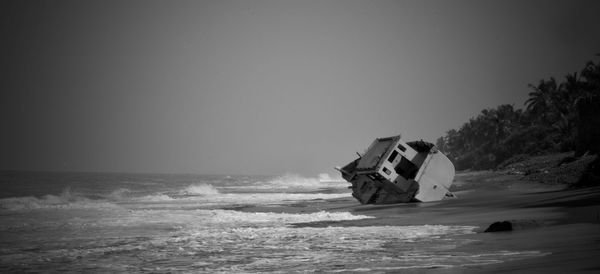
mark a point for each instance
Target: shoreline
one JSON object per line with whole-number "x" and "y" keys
{"x": 560, "y": 223}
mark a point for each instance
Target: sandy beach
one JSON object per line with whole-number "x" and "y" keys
{"x": 562, "y": 225}
{"x": 139, "y": 223}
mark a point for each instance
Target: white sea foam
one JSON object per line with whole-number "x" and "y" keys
{"x": 270, "y": 218}
{"x": 341, "y": 244}
{"x": 373, "y": 248}
{"x": 207, "y": 197}
{"x": 297, "y": 183}
{"x": 159, "y": 197}
{"x": 325, "y": 177}
{"x": 120, "y": 194}
{"x": 206, "y": 220}
{"x": 200, "y": 189}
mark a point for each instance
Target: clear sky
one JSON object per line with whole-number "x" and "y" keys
{"x": 264, "y": 87}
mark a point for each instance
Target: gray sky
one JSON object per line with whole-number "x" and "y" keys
{"x": 264, "y": 87}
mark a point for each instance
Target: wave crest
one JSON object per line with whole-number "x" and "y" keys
{"x": 297, "y": 182}
{"x": 325, "y": 177}
{"x": 200, "y": 189}
{"x": 258, "y": 219}
{"x": 119, "y": 194}
{"x": 66, "y": 200}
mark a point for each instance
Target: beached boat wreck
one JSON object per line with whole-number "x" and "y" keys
{"x": 394, "y": 171}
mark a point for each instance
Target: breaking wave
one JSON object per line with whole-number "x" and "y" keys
{"x": 273, "y": 219}
{"x": 124, "y": 197}
{"x": 159, "y": 197}
{"x": 120, "y": 194}
{"x": 285, "y": 189}
{"x": 295, "y": 182}
{"x": 200, "y": 189}
{"x": 66, "y": 200}
{"x": 325, "y": 177}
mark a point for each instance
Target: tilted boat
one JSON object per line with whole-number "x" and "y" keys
{"x": 394, "y": 171}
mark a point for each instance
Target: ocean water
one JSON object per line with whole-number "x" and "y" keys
{"x": 95, "y": 222}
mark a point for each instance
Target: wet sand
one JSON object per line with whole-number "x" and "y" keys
{"x": 561, "y": 224}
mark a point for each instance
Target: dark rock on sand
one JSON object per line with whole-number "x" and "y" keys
{"x": 500, "y": 226}
{"x": 512, "y": 225}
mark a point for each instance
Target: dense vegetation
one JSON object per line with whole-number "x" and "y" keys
{"x": 559, "y": 117}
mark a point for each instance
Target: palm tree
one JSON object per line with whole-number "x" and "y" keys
{"x": 565, "y": 103}
{"x": 541, "y": 102}
{"x": 591, "y": 79}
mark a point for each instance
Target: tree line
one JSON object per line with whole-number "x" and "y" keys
{"x": 559, "y": 117}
